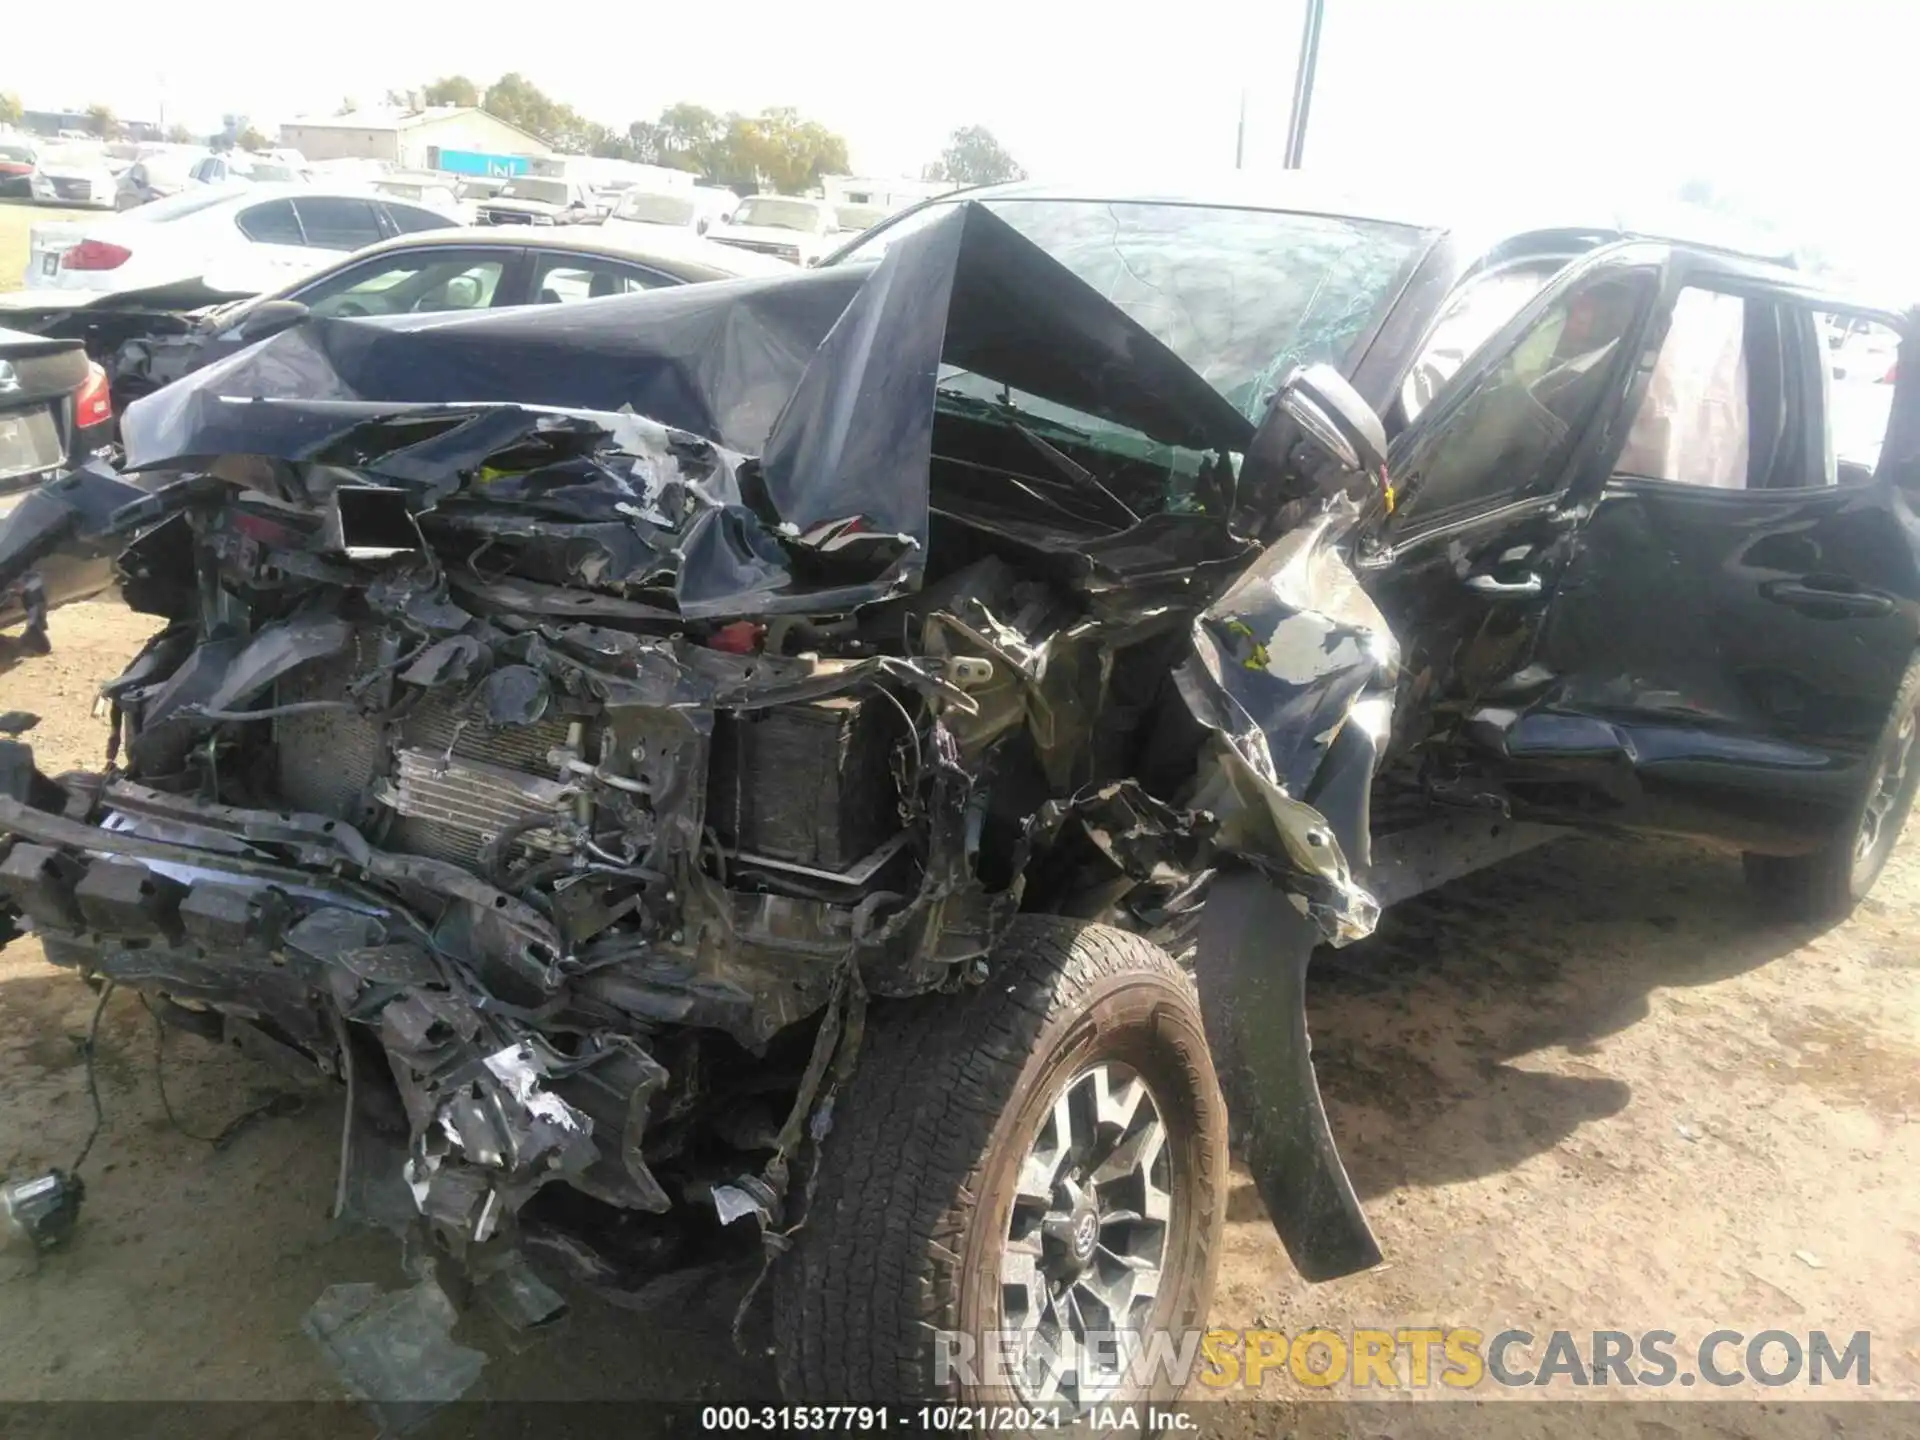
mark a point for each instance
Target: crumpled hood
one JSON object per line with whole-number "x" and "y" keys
{"x": 818, "y": 388}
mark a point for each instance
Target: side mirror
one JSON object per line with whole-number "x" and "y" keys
{"x": 701, "y": 227}
{"x": 269, "y": 317}
{"x": 1318, "y": 436}
{"x": 1331, "y": 417}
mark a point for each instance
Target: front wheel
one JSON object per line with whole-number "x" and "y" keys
{"x": 1022, "y": 1184}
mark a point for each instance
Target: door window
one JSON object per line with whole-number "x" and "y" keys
{"x": 1472, "y": 316}
{"x": 1511, "y": 432}
{"x": 561, "y": 280}
{"x": 410, "y": 219}
{"x": 1754, "y": 393}
{"x": 1860, "y": 363}
{"x": 336, "y": 223}
{"x": 271, "y": 223}
{"x": 403, "y": 284}
{"x": 1694, "y": 422}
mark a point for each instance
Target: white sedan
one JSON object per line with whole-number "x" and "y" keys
{"x": 236, "y": 240}
{"x": 73, "y": 175}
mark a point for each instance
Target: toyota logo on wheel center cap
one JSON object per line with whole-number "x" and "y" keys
{"x": 1086, "y": 1230}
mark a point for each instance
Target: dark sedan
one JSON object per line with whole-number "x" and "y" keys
{"x": 54, "y": 407}
{"x": 54, "y": 412}
{"x": 17, "y": 159}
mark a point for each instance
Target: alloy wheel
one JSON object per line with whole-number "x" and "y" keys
{"x": 1087, "y": 1241}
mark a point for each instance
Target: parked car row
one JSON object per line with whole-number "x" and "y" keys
{"x": 90, "y": 172}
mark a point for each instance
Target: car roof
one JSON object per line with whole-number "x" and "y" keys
{"x": 241, "y": 192}
{"x": 1484, "y": 223}
{"x": 687, "y": 256}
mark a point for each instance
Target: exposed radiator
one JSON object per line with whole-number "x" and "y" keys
{"x": 455, "y": 786}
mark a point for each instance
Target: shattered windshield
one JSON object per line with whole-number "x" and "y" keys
{"x": 1242, "y": 296}
{"x": 780, "y": 213}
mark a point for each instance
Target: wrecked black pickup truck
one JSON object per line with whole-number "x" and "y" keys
{"x": 746, "y": 758}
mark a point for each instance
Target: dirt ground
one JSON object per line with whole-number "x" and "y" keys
{"x": 1589, "y": 1089}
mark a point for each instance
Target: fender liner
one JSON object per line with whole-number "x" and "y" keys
{"x": 1251, "y": 966}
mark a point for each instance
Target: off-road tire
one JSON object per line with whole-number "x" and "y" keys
{"x": 916, "y": 1176}
{"x": 1824, "y": 885}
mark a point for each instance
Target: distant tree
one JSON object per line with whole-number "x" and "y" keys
{"x": 178, "y": 134}
{"x": 691, "y": 137}
{"x": 10, "y": 108}
{"x": 775, "y": 147}
{"x": 102, "y": 121}
{"x": 347, "y": 106}
{"x": 452, "y": 90}
{"x": 251, "y": 139}
{"x": 778, "y": 148}
{"x": 518, "y": 101}
{"x": 974, "y": 157}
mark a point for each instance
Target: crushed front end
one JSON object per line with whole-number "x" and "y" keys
{"x": 569, "y": 781}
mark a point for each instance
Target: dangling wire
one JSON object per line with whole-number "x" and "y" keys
{"x": 281, "y": 1102}
{"x": 160, "y": 1077}
{"x": 93, "y": 1080}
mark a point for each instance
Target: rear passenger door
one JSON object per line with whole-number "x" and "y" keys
{"x": 276, "y": 251}
{"x": 1741, "y": 599}
{"x": 411, "y": 219}
{"x": 338, "y": 222}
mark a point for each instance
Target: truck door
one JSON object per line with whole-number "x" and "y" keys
{"x": 1736, "y": 611}
{"x": 1467, "y": 562}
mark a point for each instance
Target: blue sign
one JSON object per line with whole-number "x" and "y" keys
{"x": 473, "y": 162}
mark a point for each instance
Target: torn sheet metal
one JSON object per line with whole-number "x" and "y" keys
{"x": 1278, "y": 663}
{"x": 395, "y": 1350}
{"x": 827, "y": 380}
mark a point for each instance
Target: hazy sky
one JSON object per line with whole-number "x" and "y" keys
{"x": 1789, "y": 98}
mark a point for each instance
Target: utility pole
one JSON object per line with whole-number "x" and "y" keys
{"x": 1240, "y": 137}
{"x": 1303, "y": 84}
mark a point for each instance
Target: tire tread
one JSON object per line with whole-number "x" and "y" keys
{"x": 875, "y": 1268}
